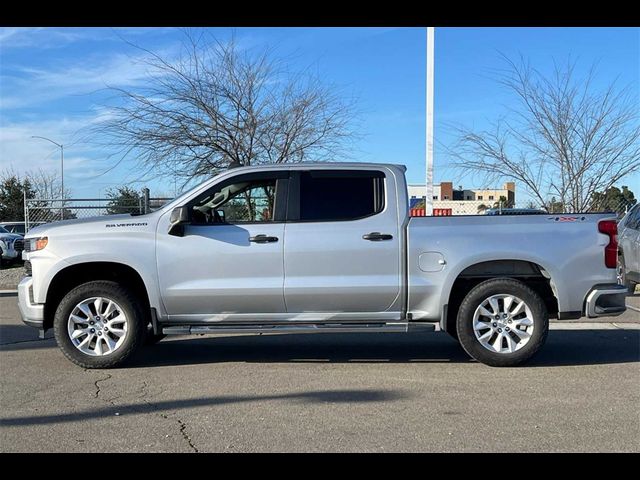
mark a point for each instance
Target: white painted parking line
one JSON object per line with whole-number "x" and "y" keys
{"x": 593, "y": 326}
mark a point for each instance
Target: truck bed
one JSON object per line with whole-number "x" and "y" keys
{"x": 566, "y": 247}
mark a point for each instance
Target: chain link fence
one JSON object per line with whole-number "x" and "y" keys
{"x": 38, "y": 211}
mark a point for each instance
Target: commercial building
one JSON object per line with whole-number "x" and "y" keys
{"x": 450, "y": 201}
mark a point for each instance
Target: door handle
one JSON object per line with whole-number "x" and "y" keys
{"x": 377, "y": 236}
{"x": 263, "y": 239}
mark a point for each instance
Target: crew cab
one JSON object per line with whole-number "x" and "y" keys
{"x": 315, "y": 248}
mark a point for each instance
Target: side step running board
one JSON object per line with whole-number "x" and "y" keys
{"x": 298, "y": 328}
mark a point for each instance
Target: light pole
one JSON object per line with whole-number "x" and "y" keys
{"x": 429, "y": 130}
{"x": 61, "y": 172}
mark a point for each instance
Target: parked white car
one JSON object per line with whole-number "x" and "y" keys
{"x": 18, "y": 227}
{"x": 11, "y": 246}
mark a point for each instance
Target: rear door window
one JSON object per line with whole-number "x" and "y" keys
{"x": 339, "y": 195}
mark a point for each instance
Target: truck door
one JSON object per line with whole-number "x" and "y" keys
{"x": 342, "y": 242}
{"x": 230, "y": 258}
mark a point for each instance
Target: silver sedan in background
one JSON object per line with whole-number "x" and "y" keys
{"x": 629, "y": 245}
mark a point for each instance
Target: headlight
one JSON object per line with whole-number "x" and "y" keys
{"x": 36, "y": 244}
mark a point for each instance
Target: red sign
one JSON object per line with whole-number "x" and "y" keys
{"x": 437, "y": 212}
{"x": 442, "y": 212}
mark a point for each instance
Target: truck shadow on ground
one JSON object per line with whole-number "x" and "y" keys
{"x": 563, "y": 348}
{"x": 313, "y": 397}
{"x": 17, "y": 337}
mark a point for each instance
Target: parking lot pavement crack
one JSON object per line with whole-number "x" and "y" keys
{"x": 185, "y": 435}
{"x": 97, "y": 394}
{"x": 183, "y": 426}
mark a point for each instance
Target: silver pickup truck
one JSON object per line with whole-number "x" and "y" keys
{"x": 315, "y": 248}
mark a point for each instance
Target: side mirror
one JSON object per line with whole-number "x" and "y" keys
{"x": 179, "y": 217}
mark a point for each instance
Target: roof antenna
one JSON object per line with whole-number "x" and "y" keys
{"x": 234, "y": 164}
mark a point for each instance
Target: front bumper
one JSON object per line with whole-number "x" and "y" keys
{"x": 32, "y": 313}
{"x": 606, "y": 300}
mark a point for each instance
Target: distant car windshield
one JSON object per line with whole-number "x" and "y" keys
{"x": 3, "y": 230}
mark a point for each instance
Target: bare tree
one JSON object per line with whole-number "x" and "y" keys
{"x": 564, "y": 137}
{"x": 39, "y": 186}
{"x": 47, "y": 187}
{"x": 46, "y": 183}
{"x": 217, "y": 105}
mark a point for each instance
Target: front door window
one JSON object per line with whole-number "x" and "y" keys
{"x": 242, "y": 202}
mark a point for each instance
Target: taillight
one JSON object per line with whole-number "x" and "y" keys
{"x": 610, "y": 227}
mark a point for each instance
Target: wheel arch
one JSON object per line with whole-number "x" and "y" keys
{"x": 529, "y": 272}
{"x": 79, "y": 273}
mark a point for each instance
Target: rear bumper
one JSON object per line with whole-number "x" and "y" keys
{"x": 606, "y": 300}
{"x": 32, "y": 313}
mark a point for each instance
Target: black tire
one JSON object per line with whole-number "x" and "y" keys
{"x": 474, "y": 299}
{"x": 136, "y": 329}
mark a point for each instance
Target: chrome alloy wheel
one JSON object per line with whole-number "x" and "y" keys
{"x": 503, "y": 323}
{"x": 97, "y": 326}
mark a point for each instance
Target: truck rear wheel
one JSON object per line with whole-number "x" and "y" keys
{"x": 502, "y": 322}
{"x": 99, "y": 324}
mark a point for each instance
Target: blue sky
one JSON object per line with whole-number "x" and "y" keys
{"x": 52, "y": 80}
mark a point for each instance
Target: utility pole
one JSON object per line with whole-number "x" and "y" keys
{"x": 429, "y": 107}
{"x": 26, "y": 210}
{"x": 61, "y": 172}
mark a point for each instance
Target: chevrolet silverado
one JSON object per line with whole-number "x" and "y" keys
{"x": 315, "y": 248}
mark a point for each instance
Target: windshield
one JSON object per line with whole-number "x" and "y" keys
{"x": 3, "y": 230}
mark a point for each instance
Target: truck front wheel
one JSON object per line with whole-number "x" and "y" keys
{"x": 99, "y": 324}
{"x": 502, "y": 322}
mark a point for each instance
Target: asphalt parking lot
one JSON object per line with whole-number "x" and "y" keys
{"x": 325, "y": 392}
